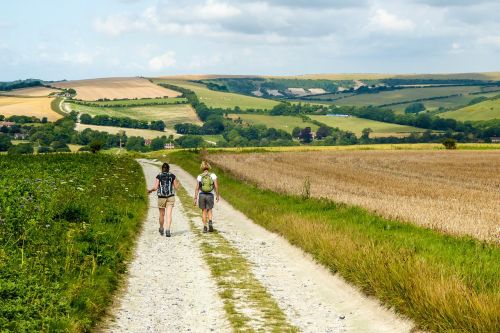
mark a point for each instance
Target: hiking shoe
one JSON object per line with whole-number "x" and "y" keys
{"x": 210, "y": 226}
{"x": 160, "y": 231}
{"x": 205, "y": 229}
{"x": 167, "y": 233}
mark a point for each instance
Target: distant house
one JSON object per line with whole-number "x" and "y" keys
{"x": 20, "y": 136}
{"x": 495, "y": 139}
{"x": 338, "y": 115}
{"x": 147, "y": 142}
{"x": 6, "y": 123}
{"x": 169, "y": 146}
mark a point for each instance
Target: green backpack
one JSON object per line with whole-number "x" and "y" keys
{"x": 207, "y": 183}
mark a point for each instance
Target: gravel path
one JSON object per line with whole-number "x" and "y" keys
{"x": 169, "y": 288}
{"x": 313, "y": 299}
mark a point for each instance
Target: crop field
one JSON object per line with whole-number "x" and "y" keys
{"x": 67, "y": 231}
{"x": 356, "y": 125}
{"x": 116, "y": 88}
{"x": 136, "y": 102}
{"x": 455, "y": 192}
{"x": 222, "y": 99}
{"x": 28, "y": 106}
{"x": 401, "y": 95}
{"x": 286, "y": 123}
{"x": 170, "y": 114}
{"x": 482, "y": 111}
{"x": 145, "y": 133}
{"x": 30, "y": 92}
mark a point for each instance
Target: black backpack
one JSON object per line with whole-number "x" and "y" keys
{"x": 166, "y": 188}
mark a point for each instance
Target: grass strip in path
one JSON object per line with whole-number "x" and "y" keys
{"x": 249, "y": 307}
{"x": 443, "y": 283}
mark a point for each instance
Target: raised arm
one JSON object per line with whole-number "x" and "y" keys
{"x": 155, "y": 186}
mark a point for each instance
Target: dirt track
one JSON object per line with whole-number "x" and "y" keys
{"x": 170, "y": 288}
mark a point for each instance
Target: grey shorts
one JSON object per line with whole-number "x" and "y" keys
{"x": 206, "y": 201}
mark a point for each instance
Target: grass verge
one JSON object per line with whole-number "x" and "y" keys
{"x": 55, "y": 105}
{"x": 68, "y": 224}
{"x": 443, "y": 283}
{"x": 248, "y": 305}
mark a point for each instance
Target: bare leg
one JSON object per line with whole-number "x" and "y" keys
{"x": 209, "y": 214}
{"x": 204, "y": 216}
{"x": 169, "y": 216}
{"x": 162, "y": 217}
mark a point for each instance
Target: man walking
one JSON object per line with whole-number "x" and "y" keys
{"x": 206, "y": 185}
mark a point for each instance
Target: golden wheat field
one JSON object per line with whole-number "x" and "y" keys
{"x": 116, "y": 88}
{"x": 31, "y": 92}
{"x": 28, "y": 106}
{"x": 145, "y": 133}
{"x": 457, "y": 192}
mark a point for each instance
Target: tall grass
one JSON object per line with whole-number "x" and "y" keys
{"x": 443, "y": 283}
{"x": 68, "y": 223}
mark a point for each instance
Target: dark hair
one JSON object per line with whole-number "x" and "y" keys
{"x": 165, "y": 167}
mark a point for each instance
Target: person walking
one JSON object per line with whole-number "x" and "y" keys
{"x": 206, "y": 187}
{"x": 165, "y": 184}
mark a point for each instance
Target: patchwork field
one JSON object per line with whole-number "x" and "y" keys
{"x": 116, "y": 88}
{"x": 356, "y": 125}
{"x": 401, "y": 95}
{"x": 221, "y": 99}
{"x": 30, "y": 92}
{"x": 170, "y": 114}
{"x": 377, "y": 76}
{"x": 28, "y": 106}
{"x": 137, "y": 102}
{"x": 482, "y": 111}
{"x": 286, "y": 123}
{"x": 456, "y": 192}
{"x": 145, "y": 133}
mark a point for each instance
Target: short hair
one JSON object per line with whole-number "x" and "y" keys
{"x": 205, "y": 166}
{"x": 165, "y": 167}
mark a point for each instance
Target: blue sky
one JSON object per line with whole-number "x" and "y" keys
{"x": 75, "y": 39}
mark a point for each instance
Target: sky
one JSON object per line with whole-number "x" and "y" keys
{"x": 63, "y": 39}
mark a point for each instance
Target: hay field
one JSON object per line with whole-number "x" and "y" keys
{"x": 28, "y": 106}
{"x": 457, "y": 192}
{"x": 30, "y": 92}
{"x": 170, "y": 114}
{"x": 116, "y": 88}
{"x": 286, "y": 123}
{"x": 482, "y": 111}
{"x": 356, "y": 125}
{"x": 145, "y": 133}
{"x": 222, "y": 99}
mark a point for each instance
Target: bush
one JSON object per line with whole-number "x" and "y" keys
{"x": 5, "y": 142}
{"x": 44, "y": 150}
{"x": 22, "y": 148}
{"x": 96, "y": 146}
{"x": 450, "y": 143}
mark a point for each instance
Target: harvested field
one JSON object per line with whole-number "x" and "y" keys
{"x": 28, "y": 106}
{"x": 145, "y": 133}
{"x": 30, "y": 92}
{"x": 456, "y": 192}
{"x": 116, "y": 88}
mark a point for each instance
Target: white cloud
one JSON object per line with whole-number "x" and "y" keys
{"x": 383, "y": 20}
{"x": 116, "y": 25}
{"x": 78, "y": 58}
{"x": 162, "y": 61}
{"x": 214, "y": 10}
{"x": 490, "y": 40}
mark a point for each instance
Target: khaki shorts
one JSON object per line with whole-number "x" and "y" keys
{"x": 165, "y": 202}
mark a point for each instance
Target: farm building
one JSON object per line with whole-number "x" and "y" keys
{"x": 169, "y": 146}
{"x": 337, "y": 115}
{"x": 495, "y": 139}
{"x": 6, "y": 123}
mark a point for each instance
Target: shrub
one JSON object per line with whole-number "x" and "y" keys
{"x": 450, "y": 143}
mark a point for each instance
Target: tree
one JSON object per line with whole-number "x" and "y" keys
{"x": 190, "y": 141}
{"x": 60, "y": 147}
{"x": 306, "y": 135}
{"x": 450, "y": 143}
{"x": 96, "y": 146}
{"x": 158, "y": 143}
{"x": 323, "y": 132}
{"x": 415, "y": 108}
{"x": 86, "y": 119}
{"x": 296, "y": 132}
{"x": 135, "y": 143}
{"x": 5, "y": 142}
{"x": 22, "y": 148}
{"x": 44, "y": 120}
{"x": 365, "y": 133}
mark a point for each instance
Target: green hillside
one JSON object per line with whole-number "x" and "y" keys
{"x": 286, "y": 123}
{"x": 482, "y": 111}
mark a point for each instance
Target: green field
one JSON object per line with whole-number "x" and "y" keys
{"x": 286, "y": 123}
{"x": 67, "y": 233}
{"x": 356, "y": 125}
{"x": 136, "y": 102}
{"x": 482, "y": 111}
{"x": 221, "y": 99}
{"x": 400, "y": 95}
{"x": 170, "y": 114}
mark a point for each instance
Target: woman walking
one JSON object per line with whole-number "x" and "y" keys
{"x": 165, "y": 184}
{"x": 206, "y": 186}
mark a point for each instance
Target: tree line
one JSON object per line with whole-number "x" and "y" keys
{"x": 126, "y": 122}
